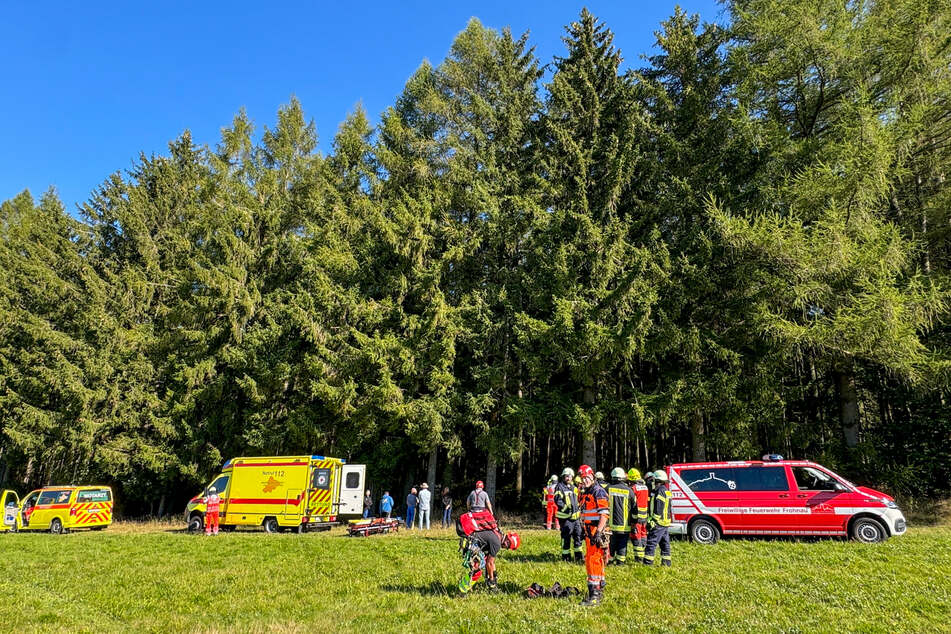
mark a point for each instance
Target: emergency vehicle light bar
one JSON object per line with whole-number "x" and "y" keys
{"x": 772, "y": 457}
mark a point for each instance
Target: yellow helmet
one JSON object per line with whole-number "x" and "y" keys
{"x": 633, "y": 474}
{"x": 577, "y": 479}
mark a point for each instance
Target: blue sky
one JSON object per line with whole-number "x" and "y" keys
{"x": 88, "y": 86}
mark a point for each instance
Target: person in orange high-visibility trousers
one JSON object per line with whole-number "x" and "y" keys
{"x": 212, "y": 506}
{"x": 639, "y": 526}
{"x": 550, "y": 507}
{"x": 594, "y": 515}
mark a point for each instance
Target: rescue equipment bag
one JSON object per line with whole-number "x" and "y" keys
{"x": 473, "y": 521}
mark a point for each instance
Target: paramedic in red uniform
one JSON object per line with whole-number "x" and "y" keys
{"x": 594, "y": 515}
{"x": 639, "y": 527}
{"x": 550, "y": 507}
{"x": 212, "y": 506}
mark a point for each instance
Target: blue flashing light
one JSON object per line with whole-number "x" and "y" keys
{"x": 227, "y": 464}
{"x": 772, "y": 457}
{"x": 317, "y": 458}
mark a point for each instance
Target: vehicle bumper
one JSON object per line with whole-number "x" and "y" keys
{"x": 677, "y": 528}
{"x": 895, "y": 521}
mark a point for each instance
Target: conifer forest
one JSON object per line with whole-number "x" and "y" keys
{"x": 736, "y": 244}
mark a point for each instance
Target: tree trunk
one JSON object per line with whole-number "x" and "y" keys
{"x": 697, "y": 435}
{"x": 431, "y": 474}
{"x": 490, "y": 468}
{"x": 848, "y": 403}
{"x": 589, "y": 447}
{"x": 161, "y": 506}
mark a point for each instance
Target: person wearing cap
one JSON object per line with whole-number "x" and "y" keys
{"x": 412, "y": 500}
{"x": 594, "y": 515}
{"x": 639, "y": 525}
{"x": 569, "y": 513}
{"x": 478, "y": 500}
{"x": 425, "y": 497}
{"x": 548, "y": 501}
{"x": 212, "y": 507}
{"x": 658, "y": 522}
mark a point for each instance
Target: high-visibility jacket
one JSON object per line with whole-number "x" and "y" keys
{"x": 660, "y": 505}
{"x": 594, "y": 504}
{"x": 548, "y": 494}
{"x": 212, "y": 503}
{"x": 641, "y": 494}
{"x": 621, "y": 502}
{"x": 566, "y": 500}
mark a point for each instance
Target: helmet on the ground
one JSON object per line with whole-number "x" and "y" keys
{"x": 660, "y": 475}
{"x": 633, "y": 474}
{"x": 617, "y": 473}
{"x": 584, "y": 470}
{"x": 599, "y": 475}
{"x": 553, "y": 478}
{"x": 568, "y": 472}
{"x": 480, "y": 485}
{"x": 511, "y": 540}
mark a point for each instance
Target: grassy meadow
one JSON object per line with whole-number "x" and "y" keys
{"x": 152, "y": 577}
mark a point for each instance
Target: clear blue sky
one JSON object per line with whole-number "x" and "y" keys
{"x": 86, "y": 86}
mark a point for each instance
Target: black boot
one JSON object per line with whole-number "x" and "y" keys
{"x": 594, "y": 596}
{"x": 566, "y": 557}
{"x": 579, "y": 558}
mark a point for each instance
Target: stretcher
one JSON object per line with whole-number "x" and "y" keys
{"x": 372, "y": 526}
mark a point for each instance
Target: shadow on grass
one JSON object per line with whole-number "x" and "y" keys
{"x": 439, "y": 588}
{"x": 538, "y": 558}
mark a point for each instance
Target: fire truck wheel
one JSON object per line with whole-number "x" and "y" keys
{"x": 195, "y": 523}
{"x": 56, "y": 526}
{"x": 868, "y": 531}
{"x": 271, "y": 525}
{"x": 704, "y": 532}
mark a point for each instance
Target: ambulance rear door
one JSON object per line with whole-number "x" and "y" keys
{"x": 9, "y": 504}
{"x": 352, "y": 478}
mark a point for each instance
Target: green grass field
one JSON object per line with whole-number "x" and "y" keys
{"x": 151, "y": 578}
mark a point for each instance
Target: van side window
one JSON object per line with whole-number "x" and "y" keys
{"x": 353, "y": 480}
{"x": 49, "y": 497}
{"x": 98, "y": 495}
{"x": 700, "y": 480}
{"x": 809, "y": 479}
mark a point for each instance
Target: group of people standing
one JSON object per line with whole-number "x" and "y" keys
{"x": 419, "y": 504}
{"x": 585, "y": 507}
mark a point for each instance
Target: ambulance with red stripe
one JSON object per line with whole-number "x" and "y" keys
{"x": 282, "y": 493}
{"x": 58, "y": 509}
{"x": 776, "y": 497}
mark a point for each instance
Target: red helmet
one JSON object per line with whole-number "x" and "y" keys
{"x": 512, "y": 540}
{"x": 479, "y": 485}
{"x": 585, "y": 470}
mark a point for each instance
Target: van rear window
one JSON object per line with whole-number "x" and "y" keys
{"x": 736, "y": 479}
{"x": 98, "y": 495}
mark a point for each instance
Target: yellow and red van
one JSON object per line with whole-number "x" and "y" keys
{"x": 282, "y": 492}
{"x": 57, "y": 509}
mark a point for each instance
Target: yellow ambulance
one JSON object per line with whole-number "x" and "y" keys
{"x": 280, "y": 493}
{"x": 57, "y": 509}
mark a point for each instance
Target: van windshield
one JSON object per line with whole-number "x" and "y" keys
{"x": 220, "y": 484}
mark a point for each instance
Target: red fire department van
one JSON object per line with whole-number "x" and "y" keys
{"x": 776, "y": 497}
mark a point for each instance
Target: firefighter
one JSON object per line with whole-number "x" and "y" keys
{"x": 548, "y": 499}
{"x": 212, "y": 506}
{"x": 594, "y": 514}
{"x": 599, "y": 477}
{"x": 639, "y": 524}
{"x": 480, "y": 546}
{"x": 622, "y": 504}
{"x": 568, "y": 512}
{"x": 658, "y": 522}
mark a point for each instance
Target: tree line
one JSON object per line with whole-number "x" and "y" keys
{"x": 740, "y": 247}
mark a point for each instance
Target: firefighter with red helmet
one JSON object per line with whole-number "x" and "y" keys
{"x": 548, "y": 499}
{"x": 639, "y": 526}
{"x": 212, "y": 507}
{"x": 569, "y": 513}
{"x": 659, "y": 521}
{"x": 594, "y": 515}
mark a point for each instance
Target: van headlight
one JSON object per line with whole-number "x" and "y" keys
{"x": 890, "y": 504}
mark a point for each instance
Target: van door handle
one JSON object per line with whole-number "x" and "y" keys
{"x": 784, "y": 495}
{"x": 803, "y": 495}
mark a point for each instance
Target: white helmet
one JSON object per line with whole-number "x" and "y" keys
{"x": 660, "y": 475}
{"x": 212, "y": 490}
{"x": 568, "y": 472}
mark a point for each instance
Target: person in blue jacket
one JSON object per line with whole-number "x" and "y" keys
{"x": 386, "y": 505}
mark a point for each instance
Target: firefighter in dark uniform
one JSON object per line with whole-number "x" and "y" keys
{"x": 639, "y": 525}
{"x": 569, "y": 514}
{"x": 623, "y": 507}
{"x": 659, "y": 521}
{"x": 594, "y": 514}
